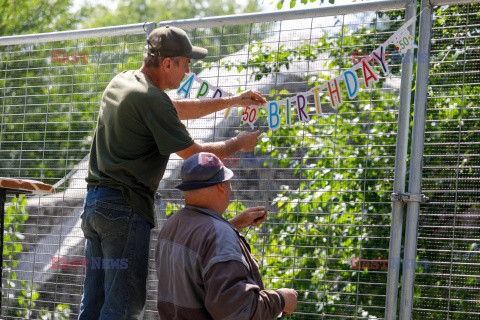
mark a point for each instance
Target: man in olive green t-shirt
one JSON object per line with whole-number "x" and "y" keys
{"x": 138, "y": 128}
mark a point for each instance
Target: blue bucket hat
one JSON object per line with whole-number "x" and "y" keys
{"x": 203, "y": 170}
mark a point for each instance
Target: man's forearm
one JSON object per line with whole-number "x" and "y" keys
{"x": 244, "y": 141}
{"x": 221, "y": 149}
{"x": 196, "y": 108}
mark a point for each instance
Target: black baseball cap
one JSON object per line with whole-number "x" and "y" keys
{"x": 173, "y": 42}
{"x": 203, "y": 170}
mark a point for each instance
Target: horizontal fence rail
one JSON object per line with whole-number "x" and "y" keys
{"x": 78, "y": 34}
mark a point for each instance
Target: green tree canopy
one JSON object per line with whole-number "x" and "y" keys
{"x": 33, "y": 16}
{"x": 134, "y": 11}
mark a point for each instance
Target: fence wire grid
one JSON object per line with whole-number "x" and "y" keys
{"x": 326, "y": 183}
{"x": 447, "y": 279}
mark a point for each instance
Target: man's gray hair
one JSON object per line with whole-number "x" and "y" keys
{"x": 154, "y": 62}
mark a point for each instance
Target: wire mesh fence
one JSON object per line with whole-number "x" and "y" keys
{"x": 447, "y": 277}
{"x": 50, "y": 97}
{"x": 326, "y": 182}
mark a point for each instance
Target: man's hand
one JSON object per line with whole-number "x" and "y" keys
{"x": 248, "y": 98}
{"x": 251, "y": 217}
{"x": 246, "y": 140}
{"x": 290, "y": 297}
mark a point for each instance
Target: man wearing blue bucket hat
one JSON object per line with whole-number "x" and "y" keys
{"x": 204, "y": 266}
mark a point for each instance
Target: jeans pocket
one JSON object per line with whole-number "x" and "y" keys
{"x": 110, "y": 218}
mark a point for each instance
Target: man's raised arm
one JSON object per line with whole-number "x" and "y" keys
{"x": 196, "y": 108}
{"x": 244, "y": 141}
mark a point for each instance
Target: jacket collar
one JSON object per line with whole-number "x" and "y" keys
{"x": 218, "y": 217}
{"x": 210, "y": 213}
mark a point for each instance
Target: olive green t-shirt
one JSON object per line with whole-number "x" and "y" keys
{"x": 137, "y": 130}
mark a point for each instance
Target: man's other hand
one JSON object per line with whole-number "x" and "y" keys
{"x": 251, "y": 217}
{"x": 247, "y": 140}
{"x": 290, "y": 297}
{"x": 249, "y": 98}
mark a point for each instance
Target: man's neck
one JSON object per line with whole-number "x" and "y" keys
{"x": 209, "y": 206}
{"x": 152, "y": 76}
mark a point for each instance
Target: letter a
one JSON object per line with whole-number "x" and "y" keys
{"x": 187, "y": 83}
{"x": 368, "y": 73}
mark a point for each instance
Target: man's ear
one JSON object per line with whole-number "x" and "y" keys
{"x": 167, "y": 63}
{"x": 221, "y": 187}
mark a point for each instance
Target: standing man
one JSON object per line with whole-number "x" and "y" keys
{"x": 204, "y": 266}
{"x": 138, "y": 128}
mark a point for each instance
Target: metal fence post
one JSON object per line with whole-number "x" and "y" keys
{"x": 149, "y": 27}
{"x": 415, "y": 178}
{"x": 400, "y": 173}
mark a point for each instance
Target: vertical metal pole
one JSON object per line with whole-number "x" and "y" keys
{"x": 3, "y": 198}
{"x": 400, "y": 172}
{"x": 415, "y": 178}
{"x": 149, "y": 27}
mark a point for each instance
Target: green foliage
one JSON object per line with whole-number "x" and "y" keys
{"x": 61, "y": 312}
{"x": 21, "y": 301}
{"x": 15, "y": 217}
{"x": 343, "y": 161}
{"x": 51, "y": 92}
{"x": 339, "y": 209}
{"x": 31, "y": 16}
{"x": 293, "y": 3}
{"x": 171, "y": 208}
{"x": 135, "y": 11}
{"x": 219, "y": 41}
{"x": 447, "y": 244}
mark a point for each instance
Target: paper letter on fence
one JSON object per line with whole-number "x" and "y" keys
{"x": 368, "y": 74}
{"x": 351, "y": 82}
{"x": 203, "y": 90}
{"x": 334, "y": 92}
{"x": 404, "y": 41}
{"x": 249, "y": 115}
{"x": 273, "y": 116}
{"x": 288, "y": 106}
{"x": 187, "y": 83}
{"x": 302, "y": 108}
{"x": 317, "y": 100}
{"x": 217, "y": 92}
{"x": 379, "y": 55}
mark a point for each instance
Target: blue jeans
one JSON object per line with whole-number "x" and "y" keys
{"x": 117, "y": 247}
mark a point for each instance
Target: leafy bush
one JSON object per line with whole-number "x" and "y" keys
{"x": 21, "y": 301}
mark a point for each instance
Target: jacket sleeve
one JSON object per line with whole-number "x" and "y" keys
{"x": 230, "y": 295}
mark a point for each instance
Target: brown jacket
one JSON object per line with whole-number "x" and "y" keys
{"x": 205, "y": 271}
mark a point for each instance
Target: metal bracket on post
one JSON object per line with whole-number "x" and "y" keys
{"x": 409, "y": 197}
